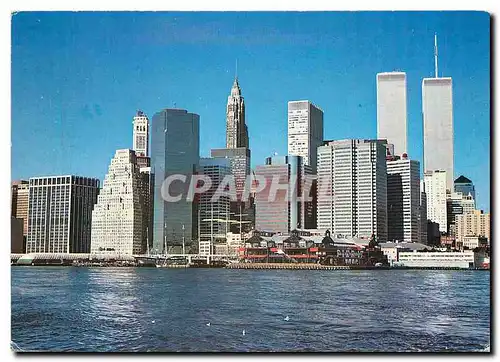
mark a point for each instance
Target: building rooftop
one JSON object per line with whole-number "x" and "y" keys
{"x": 412, "y": 246}
{"x": 391, "y": 74}
{"x": 462, "y": 180}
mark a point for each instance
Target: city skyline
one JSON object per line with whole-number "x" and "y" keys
{"x": 349, "y": 106}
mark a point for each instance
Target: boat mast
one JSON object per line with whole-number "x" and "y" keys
{"x": 147, "y": 241}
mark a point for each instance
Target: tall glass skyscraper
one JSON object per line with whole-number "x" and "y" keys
{"x": 175, "y": 150}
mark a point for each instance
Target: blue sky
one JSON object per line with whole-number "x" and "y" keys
{"x": 78, "y": 79}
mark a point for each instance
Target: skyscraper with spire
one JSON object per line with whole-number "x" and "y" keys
{"x": 437, "y": 109}
{"x": 236, "y": 129}
{"x": 237, "y": 151}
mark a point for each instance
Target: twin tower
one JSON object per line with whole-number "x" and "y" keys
{"x": 437, "y": 110}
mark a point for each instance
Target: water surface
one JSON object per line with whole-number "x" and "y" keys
{"x": 146, "y": 309}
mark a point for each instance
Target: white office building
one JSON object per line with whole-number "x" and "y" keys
{"x": 391, "y": 110}
{"x": 352, "y": 188}
{"x": 117, "y": 219}
{"x": 403, "y": 200}
{"x": 435, "y": 187}
{"x": 305, "y": 131}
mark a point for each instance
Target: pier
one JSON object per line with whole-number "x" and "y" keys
{"x": 284, "y": 266}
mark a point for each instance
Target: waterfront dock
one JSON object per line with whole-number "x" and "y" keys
{"x": 294, "y": 266}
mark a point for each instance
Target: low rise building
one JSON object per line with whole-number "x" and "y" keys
{"x": 447, "y": 241}
{"x": 392, "y": 250}
{"x": 472, "y": 242}
{"x": 296, "y": 248}
{"x": 473, "y": 224}
{"x": 449, "y": 259}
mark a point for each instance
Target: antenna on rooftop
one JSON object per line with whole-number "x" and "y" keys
{"x": 436, "y": 54}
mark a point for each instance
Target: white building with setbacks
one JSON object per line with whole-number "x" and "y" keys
{"x": 117, "y": 218}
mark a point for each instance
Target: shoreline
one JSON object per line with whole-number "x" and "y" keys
{"x": 259, "y": 266}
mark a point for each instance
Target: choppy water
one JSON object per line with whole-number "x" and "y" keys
{"x": 142, "y": 309}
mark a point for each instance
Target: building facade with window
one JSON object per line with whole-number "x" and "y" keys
{"x": 435, "y": 188}
{"x": 391, "y": 110}
{"x": 118, "y": 225}
{"x": 175, "y": 150}
{"x": 403, "y": 200}
{"x": 289, "y": 206}
{"x": 437, "y": 108}
{"x": 352, "y": 188}
{"x": 19, "y": 203}
{"x": 60, "y": 214}
{"x": 214, "y": 209}
{"x": 305, "y": 131}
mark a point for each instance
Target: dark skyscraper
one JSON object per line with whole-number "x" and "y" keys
{"x": 19, "y": 204}
{"x": 175, "y": 150}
